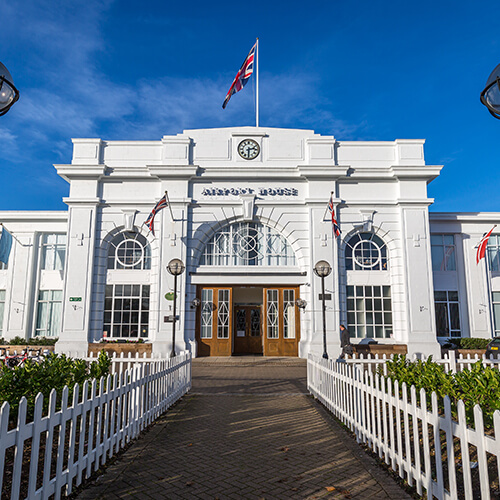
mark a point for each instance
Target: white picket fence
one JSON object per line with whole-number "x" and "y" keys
{"x": 451, "y": 362}
{"x": 404, "y": 433}
{"x": 68, "y": 444}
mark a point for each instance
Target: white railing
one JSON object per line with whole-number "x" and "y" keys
{"x": 403, "y": 431}
{"x": 71, "y": 442}
{"x": 451, "y": 362}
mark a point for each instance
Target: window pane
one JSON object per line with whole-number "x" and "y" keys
{"x": 289, "y": 314}
{"x": 437, "y": 253}
{"x": 127, "y": 316}
{"x": 272, "y": 314}
{"x": 366, "y": 316}
{"x": 441, "y": 320}
{"x": 454, "y": 316}
{"x": 223, "y": 315}
{"x": 206, "y": 313}
{"x": 247, "y": 244}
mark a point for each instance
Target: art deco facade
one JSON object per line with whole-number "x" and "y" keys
{"x": 249, "y": 217}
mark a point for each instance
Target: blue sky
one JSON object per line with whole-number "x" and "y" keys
{"x": 365, "y": 70}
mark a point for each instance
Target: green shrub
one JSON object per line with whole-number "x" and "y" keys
{"x": 479, "y": 385}
{"x": 42, "y": 341}
{"x": 54, "y": 372}
{"x": 17, "y": 341}
{"x": 470, "y": 343}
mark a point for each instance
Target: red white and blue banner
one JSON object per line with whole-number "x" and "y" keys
{"x": 242, "y": 76}
{"x": 335, "y": 224}
{"x": 159, "y": 206}
{"x": 481, "y": 247}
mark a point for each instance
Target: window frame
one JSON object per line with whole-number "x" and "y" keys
{"x": 382, "y": 318}
{"x": 51, "y": 302}
{"x": 493, "y": 253}
{"x": 56, "y": 249}
{"x": 117, "y": 310}
{"x": 114, "y": 259}
{"x": 448, "y": 252}
{"x": 363, "y": 244}
{"x": 448, "y": 313}
{"x": 248, "y": 244}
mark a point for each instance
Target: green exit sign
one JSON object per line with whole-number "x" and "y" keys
{"x": 75, "y": 299}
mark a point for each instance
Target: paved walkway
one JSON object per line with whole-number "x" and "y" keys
{"x": 247, "y": 430}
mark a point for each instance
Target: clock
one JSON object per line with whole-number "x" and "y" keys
{"x": 248, "y": 149}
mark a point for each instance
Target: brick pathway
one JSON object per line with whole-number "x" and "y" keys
{"x": 247, "y": 430}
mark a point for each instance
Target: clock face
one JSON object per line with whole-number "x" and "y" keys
{"x": 248, "y": 149}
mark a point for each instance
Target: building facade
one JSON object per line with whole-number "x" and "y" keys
{"x": 248, "y": 216}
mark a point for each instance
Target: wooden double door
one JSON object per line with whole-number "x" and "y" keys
{"x": 270, "y": 328}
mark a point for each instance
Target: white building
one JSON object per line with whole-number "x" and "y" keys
{"x": 249, "y": 217}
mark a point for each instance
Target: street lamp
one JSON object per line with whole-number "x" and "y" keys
{"x": 175, "y": 268}
{"x": 323, "y": 269}
{"x": 490, "y": 96}
{"x": 8, "y": 92}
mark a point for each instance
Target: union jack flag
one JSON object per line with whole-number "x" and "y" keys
{"x": 150, "y": 220}
{"x": 335, "y": 224}
{"x": 481, "y": 247}
{"x": 242, "y": 76}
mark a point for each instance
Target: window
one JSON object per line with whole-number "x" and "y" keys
{"x": 369, "y": 311}
{"x": 206, "y": 313}
{"x": 223, "y": 315}
{"x": 289, "y": 314}
{"x": 247, "y": 244}
{"x": 129, "y": 250}
{"x": 272, "y": 314}
{"x": 494, "y": 252}
{"x": 48, "y": 318}
{"x": 496, "y": 311}
{"x": 366, "y": 252}
{"x": 2, "y": 309}
{"x": 447, "y": 314}
{"x": 443, "y": 252}
{"x": 126, "y": 311}
{"x": 53, "y": 252}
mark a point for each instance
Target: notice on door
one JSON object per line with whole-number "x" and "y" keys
{"x": 240, "y": 333}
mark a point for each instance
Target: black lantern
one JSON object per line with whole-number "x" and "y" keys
{"x": 490, "y": 96}
{"x": 323, "y": 269}
{"x": 8, "y": 92}
{"x": 175, "y": 268}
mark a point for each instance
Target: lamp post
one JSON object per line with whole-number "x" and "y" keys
{"x": 8, "y": 92}
{"x": 490, "y": 96}
{"x": 323, "y": 269}
{"x": 175, "y": 268}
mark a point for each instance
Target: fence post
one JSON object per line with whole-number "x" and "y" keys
{"x": 453, "y": 361}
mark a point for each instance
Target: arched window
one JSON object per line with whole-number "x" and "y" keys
{"x": 366, "y": 252}
{"x": 247, "y": 244}
{"x": 126, "y": 304}
{"x": 129, "y": 250}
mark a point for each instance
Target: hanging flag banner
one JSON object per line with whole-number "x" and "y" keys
{"x": 151, "y": 219}
{"x": 481, "y": 248}
{"x": 242, "y": 76}
{"x": 335, "y": 224}
{"x": 5, "y": 245}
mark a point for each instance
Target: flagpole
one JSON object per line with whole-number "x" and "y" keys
{"x": 169, "y": 207}
{"x": 257, "y": 83}
{"x": 326, "y": 209}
